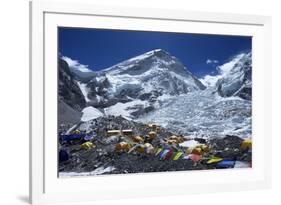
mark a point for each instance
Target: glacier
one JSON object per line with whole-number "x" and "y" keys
{"x": 203, "y": 114}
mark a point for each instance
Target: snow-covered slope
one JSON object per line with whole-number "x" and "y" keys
{"x": 130, "y": 109}
{"x": 90, "y": 113}
{"x": 143, "y": 78}
{"x": 84, "y": 89}
{"x": 234, "y": 78}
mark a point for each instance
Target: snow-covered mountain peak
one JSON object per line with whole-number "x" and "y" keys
{"x": 238, "y": 65}
{"x": 157, "y": 60}
{"x": 148, "y": 54}
{"x": 81, "y": 72}
{"x": 156, "y": 52}
{"x": 142, "y": 79}
{"x": 155, "y": 70}
{"x": 236, "y": 77}
{"x": 235, "y": 64}
{"x": 74, "y": 64}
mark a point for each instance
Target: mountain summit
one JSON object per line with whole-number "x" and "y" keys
{"x": 144, "y": 77}
{"x": 151, "y": 62}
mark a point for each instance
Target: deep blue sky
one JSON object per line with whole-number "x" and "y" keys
{"x": 101, "y": 48}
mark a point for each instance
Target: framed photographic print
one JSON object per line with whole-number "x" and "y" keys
{"x": 129, "y": 102}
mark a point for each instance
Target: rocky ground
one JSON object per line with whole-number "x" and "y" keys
{"x": 104, "y": 153}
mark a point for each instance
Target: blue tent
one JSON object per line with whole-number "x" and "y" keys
{"x": 226, "y": 164}
{"x": 72, "y": 137}
{"x": 89, "y": 137}
{"x": 63, "y": 155}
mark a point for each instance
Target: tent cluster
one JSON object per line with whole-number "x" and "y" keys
{"x": 76, "y": 137}
{"x": 169, "y": 149}
{"x": 151, "y": 144}
{"x": 130, "y": 142}
{"x": 200, "y": 153}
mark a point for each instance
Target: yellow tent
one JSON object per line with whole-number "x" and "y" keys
{"x": 87, "y": 145}
{"x": 122, "y": 146}
{"x": 197, "y": 151}
{"x": 138, "y": 139}
{"x": 149, "y": 148}
{"x": 172, "y": 142}
{"x": 76, "y": 132}
{"x": 152, "y": 135}
{"x": 152, "y": 126}
{"x": 246, "y": 144}
{"x": 204, "y": 148}
{"x": 141, "y": 148}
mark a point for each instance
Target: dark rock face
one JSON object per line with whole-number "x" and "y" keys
{"x": 245, "y": 92}
{"x": 69, "y": 91}
{"x": 228, "y": 141}
{"x": 229, "y": 147}
{"x": 238, "y": 82}
{"x": 67, "y": 115}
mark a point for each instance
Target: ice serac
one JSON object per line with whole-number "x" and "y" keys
{"x": 237, "y": 78}
{"x": 203, "y": 114}
{"x": 145, "y": 77}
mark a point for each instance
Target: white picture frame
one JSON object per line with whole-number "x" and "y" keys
{"x": 46, "y": 187}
